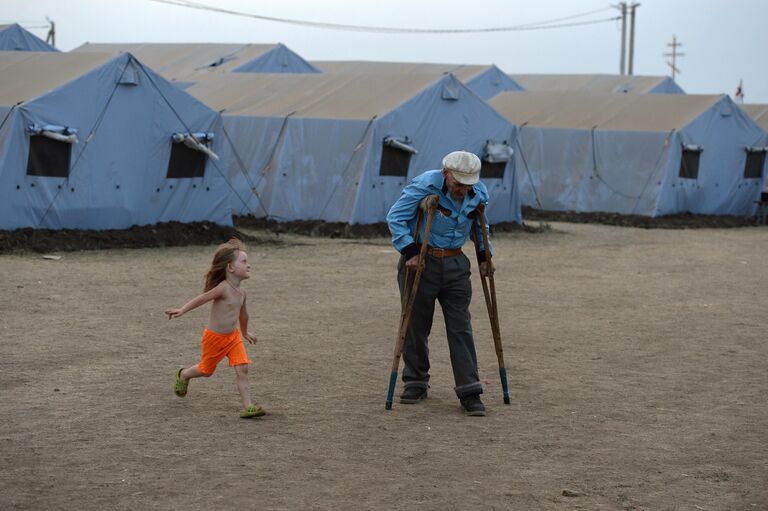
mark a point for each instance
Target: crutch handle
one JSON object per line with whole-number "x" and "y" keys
{"x": 428, "y": 202}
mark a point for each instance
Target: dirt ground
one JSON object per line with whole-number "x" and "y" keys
{"x": 637, "y": 363}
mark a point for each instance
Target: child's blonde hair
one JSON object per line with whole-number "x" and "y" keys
{"x": 225, "y": 253}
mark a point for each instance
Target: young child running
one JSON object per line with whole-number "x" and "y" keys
{"x": 222, "y": 338}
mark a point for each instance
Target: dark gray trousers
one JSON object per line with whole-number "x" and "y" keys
{"x": 446, "y": 280}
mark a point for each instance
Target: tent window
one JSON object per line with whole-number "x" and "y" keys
{"x": 494, "y": 160}
{"x": 490, "y": 170}
{"x": 185, "y": 162}
{"x": 394, "y": 162}
{"x": 689, "y": 163}
{"x": 396, "y": 157}
{"x": 755, "y": 163}
{"x": 48, "y": 157}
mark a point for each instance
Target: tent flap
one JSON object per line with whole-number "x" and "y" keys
{"x": 497, "y": 152}
{"x": 198, "y": 141}
{"x": 60, "y": 133}
{"x": 403, "y": 144}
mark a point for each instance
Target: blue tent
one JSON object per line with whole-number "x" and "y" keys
{"x": 485, "y": 81}
{"x": 186, "y": 63}
{"x": 15, "y": 38}
{"x": 599, "y": 83}
{"x": 759, "y": 114}
{"x": 490, "y": 82}
{"x": 340, "y": 147}
{"x": 279, "y": 59}
{"x": 97, "y": 141}
{"x": 641, "y": 154}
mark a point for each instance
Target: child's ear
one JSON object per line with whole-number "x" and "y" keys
{"x": 230, "y": 268}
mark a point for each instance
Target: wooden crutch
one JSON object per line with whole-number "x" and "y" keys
{"x": 409, "y": 292}
{"x": 490, "y": 298}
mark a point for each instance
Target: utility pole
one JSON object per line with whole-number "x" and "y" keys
{"x": 675, "y": 45}
{"x": 632, "y": 8}
{"x": 623, "y": 7}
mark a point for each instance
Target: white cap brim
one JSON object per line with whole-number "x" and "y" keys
{"x": 464, "y": 178}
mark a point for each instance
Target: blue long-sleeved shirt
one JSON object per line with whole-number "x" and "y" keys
{"x": 451, "y": 224}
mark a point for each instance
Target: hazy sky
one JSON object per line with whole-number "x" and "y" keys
{"x": 723, "y": 41}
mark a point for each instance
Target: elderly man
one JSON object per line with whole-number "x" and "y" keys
{"x": 445, "y": 276}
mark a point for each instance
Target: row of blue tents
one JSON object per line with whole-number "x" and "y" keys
{"x": 110, "y": 136}
{"x": 98, "y": 141}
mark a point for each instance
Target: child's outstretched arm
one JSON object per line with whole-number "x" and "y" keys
{"x": 244, "y": 323}
{"x": 196, "y": 302}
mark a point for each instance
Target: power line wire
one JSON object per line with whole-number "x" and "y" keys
{"x": 544, "y": 25}
{"x": 565, "y": 18}
{"x": 21, "y": 22}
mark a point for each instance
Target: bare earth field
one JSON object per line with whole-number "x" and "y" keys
{"x": 638, "y": 370}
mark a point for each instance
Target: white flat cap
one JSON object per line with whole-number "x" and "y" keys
{"x": 464, "y": 166}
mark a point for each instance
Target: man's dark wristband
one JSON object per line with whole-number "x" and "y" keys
{"x": 410, "y": 251}
{"x": 481, "y": 256}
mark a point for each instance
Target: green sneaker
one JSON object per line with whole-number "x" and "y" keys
{"x": 180, "y": 388}
{"x": 253, "y": 411}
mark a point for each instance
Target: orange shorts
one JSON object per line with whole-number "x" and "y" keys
{"x": 216, "y": 346}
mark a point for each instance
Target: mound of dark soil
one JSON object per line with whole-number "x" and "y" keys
{"x": 169, "y": 234}
{"x": 317, "y": 228}
{"x": 679, "y": 221}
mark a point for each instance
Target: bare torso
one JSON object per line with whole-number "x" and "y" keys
{"x": 225, "y": 311}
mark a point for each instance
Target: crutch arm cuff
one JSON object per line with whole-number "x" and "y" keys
{"x": 410, "y": 250}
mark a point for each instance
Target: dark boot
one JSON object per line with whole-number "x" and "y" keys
{"x": 412, "y": 395}
{"x": 473, "y": 406}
